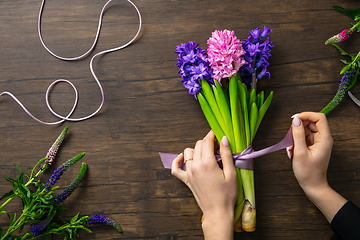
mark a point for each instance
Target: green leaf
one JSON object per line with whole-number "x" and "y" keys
{"x": 253, "y": 119}
{"x": 353, "y": 13}
{"x": 263, "y": 110}
{"x": 244, "y": 107}
{"x": 18, "y": 168}
{"x": 345, "y": 69}
{"x": 342, "y": 52}
{"x": 75, "y": 218}
{"x": 10, "y": 194}
{"x": 209, "y": 115}
{"x": 5, "y": 212}
{"x": 13, "y": 219}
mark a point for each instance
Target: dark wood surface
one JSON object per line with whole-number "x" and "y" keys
{"x": 147, "y": 110}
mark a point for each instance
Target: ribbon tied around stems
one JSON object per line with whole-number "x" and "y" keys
{"x": 243, "y": 160}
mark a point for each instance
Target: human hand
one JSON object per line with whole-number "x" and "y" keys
{"x": 214, "y": 189}
{"x": 311, "y": 150}
{"x": 311, "y": 155}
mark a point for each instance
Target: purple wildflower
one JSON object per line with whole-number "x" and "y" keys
{"x": 340, "y": 37}
{"x": 38, "y": 228}
{"x": 193, "y": 66}
{"x": 53, "y": 149}
{"x": 60, "y": 171}
{"x": 101, "y": 219}
{"x": 345, "y": 82}
{"x": 61, "y": 197}
{"x": 257, "y": 55}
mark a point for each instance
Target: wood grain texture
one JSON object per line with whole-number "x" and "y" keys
{"x": 147, "y": 110}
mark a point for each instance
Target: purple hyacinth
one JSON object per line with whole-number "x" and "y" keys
{"x": 193, "y": 66}
{"x": 101, "y": 219}
{"x": 61, "y": 197}
{"x": 257, "y": 55}
{"x": 60, "y": 171}
{"x": 38, "y": 228}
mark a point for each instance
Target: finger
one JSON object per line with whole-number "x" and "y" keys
{"x": 188, "y": 157}
{"x": 176, "y": 170}
{"x": 319, "y": 119}
{"x": 208, "y": 148}
{"x": 227, "y": 158}
{"x": 197, "y": 153}
{"x": 298, "y": 134}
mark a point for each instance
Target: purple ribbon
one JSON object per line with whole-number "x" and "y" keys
{"x": 243, "y": 160}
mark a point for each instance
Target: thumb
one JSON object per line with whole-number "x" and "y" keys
{"x": 298, "y": 134}
{"x": 226, "y": 156}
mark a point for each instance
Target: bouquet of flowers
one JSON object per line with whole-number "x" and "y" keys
{"x": 41, "y": 206}
{"x": 223, "y": 79}
{"x": 352, "y": 66}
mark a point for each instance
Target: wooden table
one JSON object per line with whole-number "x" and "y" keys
{"x": 147, "y": 110}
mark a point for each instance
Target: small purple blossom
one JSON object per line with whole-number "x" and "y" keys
{"x": 103, "y": 220}
{"x": 60, "y": 171}
{"x": 38, "y": 228}
{"x": 193, "y": 66}
{"x": 340, "y": 37}
{"x": 61, "y": 197}
{"x": 257, "y": 55}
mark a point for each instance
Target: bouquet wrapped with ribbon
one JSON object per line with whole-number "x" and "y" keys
{"x": 223, "y": 79}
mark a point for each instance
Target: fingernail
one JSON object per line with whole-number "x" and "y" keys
{"x": 225, "y": 141}
{"x": 288, "y": 152}
{"x": 296, "y": 121}
{"x": 295, "y": 115}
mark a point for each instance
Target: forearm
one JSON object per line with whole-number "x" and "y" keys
{"x": 219, "y": 226}
{"x": 327, "y": 200}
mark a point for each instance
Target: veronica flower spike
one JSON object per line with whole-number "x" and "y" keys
{"x": 101, "y": 219}
{"x": 61, "y": 197}
{"x": 60, "y": 171}
{"x": 51, "y": 154}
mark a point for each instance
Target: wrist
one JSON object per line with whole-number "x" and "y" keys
{"x": 219, "y": 225}
{"x": 326, "y": 199}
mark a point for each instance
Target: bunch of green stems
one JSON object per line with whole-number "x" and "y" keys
{"x": 236, "y": 113}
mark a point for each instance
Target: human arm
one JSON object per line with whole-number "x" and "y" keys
{"x": 311, "y": 155}
{"x": 214, "y": 189}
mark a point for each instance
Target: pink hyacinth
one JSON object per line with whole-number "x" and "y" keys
{"x": 225, "y": 54}
{"x": 340, "y": 37}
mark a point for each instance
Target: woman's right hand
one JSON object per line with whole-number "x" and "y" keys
{"x": 311, "y": 155}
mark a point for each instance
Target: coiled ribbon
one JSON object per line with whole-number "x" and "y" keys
{"x": 243, "y": 160}
{"x": 67, "y": 117}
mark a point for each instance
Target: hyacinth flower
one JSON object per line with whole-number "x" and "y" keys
{"x": 233, "y": 112}
{"x": 257, "y": 56}
{"x": 51, "y": 154}
{"x": 193, "y": 66}
{"x": 60, "y": 171}
{"x": 103, "y": 220}
{"x": 61, "y": 197}
{"x": 225, "y": 53}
